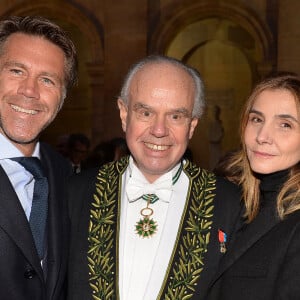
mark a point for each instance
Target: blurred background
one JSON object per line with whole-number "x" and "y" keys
{"x": 233, "y": 44}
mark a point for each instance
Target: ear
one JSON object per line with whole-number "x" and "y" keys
{"x": 192, "y": 127}
{"x": 123, "y": 113}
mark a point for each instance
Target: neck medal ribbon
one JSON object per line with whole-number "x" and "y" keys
{"x": 147, "y": 226}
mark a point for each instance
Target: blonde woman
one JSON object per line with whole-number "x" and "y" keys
{"x": 264, "y": 261}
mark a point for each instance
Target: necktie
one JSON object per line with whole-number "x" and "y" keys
{"x": 38, "y": 214}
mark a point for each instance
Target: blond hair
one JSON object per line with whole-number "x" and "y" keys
{"x": 288, "y": 199}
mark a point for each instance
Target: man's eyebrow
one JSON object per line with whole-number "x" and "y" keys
{"x": 141, "y": 105}
{"x": 14, "y": 64}
{"x": 181, "y": 110}
{"x": 23, "y": 66}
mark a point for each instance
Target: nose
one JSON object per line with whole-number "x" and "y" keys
{"x": 264, "y": 135}
{"x": 159, "y": 127}
{"x": 29, "y": 88}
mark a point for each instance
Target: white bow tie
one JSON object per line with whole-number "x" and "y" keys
{"x": 136, "y": 188}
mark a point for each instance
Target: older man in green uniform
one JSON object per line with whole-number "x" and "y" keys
{"x": 151, "y": 225}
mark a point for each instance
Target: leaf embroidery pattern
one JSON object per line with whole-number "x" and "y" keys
{"x": 102, "y": 227}
{"x": 187, "y": 267}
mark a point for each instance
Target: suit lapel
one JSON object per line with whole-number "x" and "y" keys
{"x": 104, "y": 226}
{"x": 264, "y": 222}
{"x": 187, "y": 260}
{"x": 15, "y": 224}
{"x": 54, "y": 222}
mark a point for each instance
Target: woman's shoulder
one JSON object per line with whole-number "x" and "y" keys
{"x": 228, "y": 197}
{"x": 292, "y": 222}
{"x": 227, "y": 187}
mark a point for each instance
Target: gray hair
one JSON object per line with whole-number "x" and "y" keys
{"x": 199, "y": 101}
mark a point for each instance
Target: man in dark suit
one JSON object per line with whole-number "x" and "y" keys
{"x": 37, "y": 66}
{"x": 151, "y": 225}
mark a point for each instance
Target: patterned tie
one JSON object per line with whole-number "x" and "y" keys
{"x": 38, "y": 214}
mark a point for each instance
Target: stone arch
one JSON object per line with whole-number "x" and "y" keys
{"x": 173, "y": 19}
{"x": 226, "y": 86}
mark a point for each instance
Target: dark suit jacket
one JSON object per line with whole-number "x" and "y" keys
{"x": 224, "y": 215}
{"x": 21, "y": 275}
{"x": 263, "y": 263}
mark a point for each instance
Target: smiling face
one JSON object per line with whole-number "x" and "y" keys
{"x": 272, "y": 133}
{"x": 31, "y": 88}
{"x": 158, "y": 121}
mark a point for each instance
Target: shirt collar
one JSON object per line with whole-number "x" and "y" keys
{"x": 9, "y": 150}
{"x": 135, "y": 172}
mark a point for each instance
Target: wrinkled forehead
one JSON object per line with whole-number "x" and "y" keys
{"x": 160, "y": 93}
{"x": 159, "y": 79}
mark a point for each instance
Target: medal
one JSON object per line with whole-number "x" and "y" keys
{"x": 146, "y": 227}
{"x": 222, "y": 240}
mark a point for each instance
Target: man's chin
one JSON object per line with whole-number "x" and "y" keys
{"x": 21, "y": 140}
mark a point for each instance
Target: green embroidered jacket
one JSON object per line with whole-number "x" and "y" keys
{"x": 197, "y": 249}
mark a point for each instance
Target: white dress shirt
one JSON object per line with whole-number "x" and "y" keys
{"x": 144, "y": 261}
{"x": 20, "y": 178}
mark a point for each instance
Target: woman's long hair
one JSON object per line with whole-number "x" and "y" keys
{"x": 288, "y": 199}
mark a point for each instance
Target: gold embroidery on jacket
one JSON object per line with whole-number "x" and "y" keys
{"x": 186, "y": 262}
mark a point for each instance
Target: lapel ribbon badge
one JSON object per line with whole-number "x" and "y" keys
{"x": 222, "y": 240}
